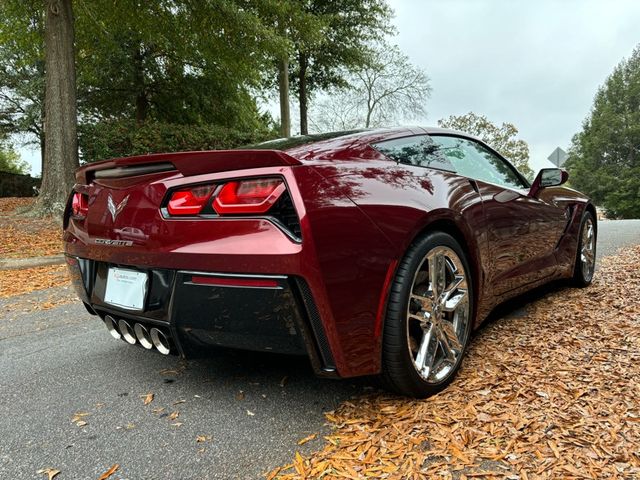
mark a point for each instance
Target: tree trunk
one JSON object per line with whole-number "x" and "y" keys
{"x": 42, "y": 150}
{"x": 302, "y": 94}
{"x": 142, "y": 107}
{"x": 61, "y": 152}
{"x": 283, "y": 87}
{"x": 142, "y": 102}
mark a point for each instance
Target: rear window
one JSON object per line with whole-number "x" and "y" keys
{"x": 419, "y": 151}
{"x": 300, "y": 140}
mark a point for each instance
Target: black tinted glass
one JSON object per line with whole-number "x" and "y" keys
{"x": 419, "y": 151}
{"x": 473, "y": 160}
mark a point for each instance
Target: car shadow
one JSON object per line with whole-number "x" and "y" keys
{"x": 518, "y": 306}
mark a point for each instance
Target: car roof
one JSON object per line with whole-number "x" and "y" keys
{"x": 328, "y": 145}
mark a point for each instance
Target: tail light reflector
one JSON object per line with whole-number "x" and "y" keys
{"x": 79, "y": 206}
{"x": 235, "y": 282}
{"x": 189, "y": 201}
{"x": 248, "y": 196}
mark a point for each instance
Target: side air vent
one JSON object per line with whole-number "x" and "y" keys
{"x": 284, "y": 211}
{"x": 316, "y": 325}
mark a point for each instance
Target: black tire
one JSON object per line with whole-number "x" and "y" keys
{"x": 581, "y": 276}
{"x": 399, "y": 373}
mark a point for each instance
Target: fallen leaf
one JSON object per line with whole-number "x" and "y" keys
{"x": 174, "y": 415}
{"x": 307, "y": 439}
{"x": 250, "y": 413}
{"x": 78, "y": 416}
{"x": 50, "y": 472}
{"x": 203, "y": 438}
{"x": 240, "y": 395}
{"x": 147, "y": 398}
{"x": 109, "y": 472}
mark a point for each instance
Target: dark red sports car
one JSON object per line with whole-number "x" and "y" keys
{"x": 372, "y": 252}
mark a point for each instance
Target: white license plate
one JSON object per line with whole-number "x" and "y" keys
{"x": 126, "y": 288}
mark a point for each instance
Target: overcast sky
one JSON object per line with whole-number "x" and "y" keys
{"x": 536, "y": 64}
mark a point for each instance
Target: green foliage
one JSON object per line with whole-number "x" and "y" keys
{"x": 182, "y": 62}
{"x": 21, "y": 67}
{"x": 120, "y": 138}
{"x": 178, "y": 62}
{"x": 346, "y": 29}
{"x": 501, "y": 138}
{"x": 170, "y": 64}
{"x": 604, "y": 158}
{"x": 10, "y": 161}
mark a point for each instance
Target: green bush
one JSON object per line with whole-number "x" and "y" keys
{"x": 123, "y": 138}
{"x": 604, "y": 158}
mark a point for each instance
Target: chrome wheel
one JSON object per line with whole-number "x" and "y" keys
{"x": 438, "y": 314}
{"x": 588, "y": 249}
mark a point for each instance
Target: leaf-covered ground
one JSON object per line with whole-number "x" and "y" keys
{"x": 552, "y": 394}
{"x": 23, "y": 237}
{"x": 18, "y": 282}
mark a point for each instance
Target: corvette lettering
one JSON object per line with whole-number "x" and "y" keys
{"x": 114, "y": 243}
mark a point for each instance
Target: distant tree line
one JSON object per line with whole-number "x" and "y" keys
{"x": 604, "y": 158}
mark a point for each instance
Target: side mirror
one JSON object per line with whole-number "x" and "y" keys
{"x": 548, "y": 177}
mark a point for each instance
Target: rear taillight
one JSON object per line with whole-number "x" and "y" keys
{"x": 189, "y": 201}
{"x": 248, "y": 196}
{"x": 79, "y": 206}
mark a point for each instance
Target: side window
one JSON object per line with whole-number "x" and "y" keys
{"x": 420, "y": 151}
{"x": 473, "y": 160}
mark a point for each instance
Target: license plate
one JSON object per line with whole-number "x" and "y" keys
{"x": 126, "y": 288}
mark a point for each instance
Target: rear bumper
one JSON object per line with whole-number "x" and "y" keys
{"x": 200, "y": 310}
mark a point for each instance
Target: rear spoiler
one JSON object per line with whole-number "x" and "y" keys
{"x": 187, "y": 163}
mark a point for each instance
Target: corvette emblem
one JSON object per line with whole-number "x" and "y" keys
{"x": 113, "y": 243}
{"x": 116, "y": 209}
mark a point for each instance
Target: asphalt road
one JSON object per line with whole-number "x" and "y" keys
{"x": 249, "y": 409}
{"x": 616, "y": 234}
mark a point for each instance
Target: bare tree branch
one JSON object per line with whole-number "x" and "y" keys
{"x": 389, "y": 90}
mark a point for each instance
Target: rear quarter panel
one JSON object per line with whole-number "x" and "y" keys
{"x": 364, "y": 216}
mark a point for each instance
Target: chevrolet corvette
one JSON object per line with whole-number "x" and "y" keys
{"x": 373, "y": 252}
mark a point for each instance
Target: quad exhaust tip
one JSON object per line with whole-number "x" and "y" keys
{"x": 143, "y": 336}
{"x": 160, "y": 341}
{"x": 126, "y": 330}
{"x": 147, "y": 338}
{"x": 112, "y": 327}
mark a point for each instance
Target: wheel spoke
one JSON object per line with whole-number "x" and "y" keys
{"x": 426, "y": 303}
{"x": 451, "y": 304}
{"x": 590, "y": 234}
{"x": 422, "y": 319}
{"x": 437, "y": 274}
{"x": 427, "y": 351}
{"x": 458, "y": 282}
{"x": 450, "y": 336}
